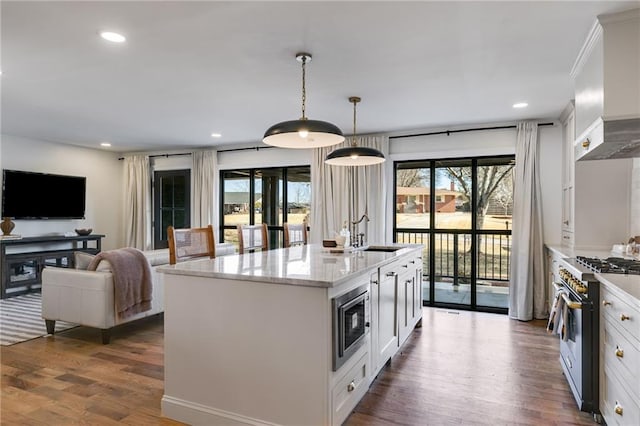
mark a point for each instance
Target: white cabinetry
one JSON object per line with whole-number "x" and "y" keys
{"x": 607, "y": 87}
{"x": 396, "y": 303}
{"x": 596, "y": 194}
{"x": 385, "y": 294}
{"x": 619, "y": 358}
{"x": 568, "y": 172}
{"x": 553, "y": 276}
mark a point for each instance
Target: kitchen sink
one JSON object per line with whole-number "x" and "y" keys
{"x": 387, "y": 249}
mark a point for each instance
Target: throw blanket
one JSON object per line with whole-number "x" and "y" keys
{"x": 132, "y": 283}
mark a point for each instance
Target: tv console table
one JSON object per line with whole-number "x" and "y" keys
{"x": 22, "y": 259}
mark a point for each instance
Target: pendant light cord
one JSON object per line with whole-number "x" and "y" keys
{"x": 354, "y": 100}
{"x": 304, "y": 89}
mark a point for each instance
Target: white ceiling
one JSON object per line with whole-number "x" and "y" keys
{"x": 189, "y": 69}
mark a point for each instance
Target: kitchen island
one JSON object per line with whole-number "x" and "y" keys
{"x": 251, "y": 339}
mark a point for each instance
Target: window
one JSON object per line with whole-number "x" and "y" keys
{"x": 465, "y": 227}
{"x": 266, "y": 195}
{"x": 171, "y": 193}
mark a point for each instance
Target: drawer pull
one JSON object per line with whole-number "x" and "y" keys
{"x": 391, "y": 274}
{"x": 586, "y": 143}
{"x": 618, "y": 409}
{"x": 619, "y": 352}
{"x": 624, "y": 317}
{"x": 413, "y": 261}
{"x": 405, "y": 266}
{"x": 606, "y": 303}
{"x": 351, "y": 387}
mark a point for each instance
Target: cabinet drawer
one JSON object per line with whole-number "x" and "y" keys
{"x": 624, "y": 316}
{"x": 391, "y": 269}
{"x": 617, "y": 406}
{"x": 620, "y": 355}
{"x": 349, "y": 389}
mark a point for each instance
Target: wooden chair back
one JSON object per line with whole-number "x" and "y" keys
{"x": 252, "y": 238}
{"x": 295, "y": 234}
{"x": 190, "y": 243}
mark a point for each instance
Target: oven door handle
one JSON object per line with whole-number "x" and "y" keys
{"x": 570, "y": 303}
{"x": 557, "y": 287}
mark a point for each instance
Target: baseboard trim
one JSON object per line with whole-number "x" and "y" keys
{"x": 197, "y": 414}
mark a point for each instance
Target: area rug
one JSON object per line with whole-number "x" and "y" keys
{"x": 20, "y": 319}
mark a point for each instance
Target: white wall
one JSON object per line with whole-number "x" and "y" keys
{"x": 634, "y": 226}
{"x": 264, "y": 157}
{"x": 104, "y": 201}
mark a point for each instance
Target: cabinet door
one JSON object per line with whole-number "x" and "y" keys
{"x": 387, "y": 314}
{"x": 406, "y": 311}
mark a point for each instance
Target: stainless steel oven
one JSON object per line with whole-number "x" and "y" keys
{"x": 579, "y": 332}
{"x": 351, "y": 323}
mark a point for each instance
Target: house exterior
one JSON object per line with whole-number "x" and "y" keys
{"x": 418, "y": 200}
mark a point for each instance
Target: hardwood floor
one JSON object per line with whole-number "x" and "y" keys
{"x": 461, "y": 368}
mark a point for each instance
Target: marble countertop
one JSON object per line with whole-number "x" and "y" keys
{"x": 629, "y": 285}
{"x": 309, "y": 265}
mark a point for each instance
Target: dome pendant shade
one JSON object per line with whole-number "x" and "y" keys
{"x": 303, "y": 133}
{"x": 289, "y": 134}
{"x": 354, "y": 156}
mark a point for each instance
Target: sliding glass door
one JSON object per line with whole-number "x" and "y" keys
{"x": 460, "y": 211}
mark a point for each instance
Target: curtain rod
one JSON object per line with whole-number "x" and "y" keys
{"x": 256, "y": 148}
{"x": 474, "y": 129}
{"x": 163, "y": 155}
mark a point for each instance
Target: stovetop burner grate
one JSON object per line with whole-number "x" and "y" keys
{"x": 611, "y": 265}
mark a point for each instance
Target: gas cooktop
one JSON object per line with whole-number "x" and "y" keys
{"x": 610, "y": 265}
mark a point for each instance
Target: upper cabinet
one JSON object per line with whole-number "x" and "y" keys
{"x": 607, "y": 89}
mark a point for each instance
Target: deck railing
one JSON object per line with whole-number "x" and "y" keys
{"x": 453, "y": 254}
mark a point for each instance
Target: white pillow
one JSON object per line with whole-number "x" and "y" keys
{"x": 82, "y": 259}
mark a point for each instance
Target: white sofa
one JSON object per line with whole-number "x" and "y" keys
{"x": 86, "y": 297}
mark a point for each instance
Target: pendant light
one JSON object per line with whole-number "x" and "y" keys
{"x": 354, "y": 155}
{"x": 303, "y": 133}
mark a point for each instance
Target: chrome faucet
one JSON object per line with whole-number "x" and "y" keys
{"x": 358, "y": 240}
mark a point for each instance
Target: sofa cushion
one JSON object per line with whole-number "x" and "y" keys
{"x": 82, "y": 261}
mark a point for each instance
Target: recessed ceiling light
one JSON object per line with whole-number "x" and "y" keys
{"x": 521, "y": 105}
{"x": 216, "y": 135}
{"x": 114, "y": 37}
{"x": 107, "y": 144}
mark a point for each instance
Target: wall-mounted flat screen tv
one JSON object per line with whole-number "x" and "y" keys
{"x": 30, "y": 195}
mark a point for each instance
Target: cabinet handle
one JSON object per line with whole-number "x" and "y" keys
{"x": 566, "y": 222}
{"x": 618, "y": 409}
{"x": 624, "y": 317}
{"x": 374, "y": 282}
{"x": 619, "y": 352}
{"x": 351, "y": 387}
{"x": 606, "y": 303}
{"x": 405, "y": 266}
{"x": 565, "y": 237}
{"x": 586, "y": 143}
{"x": 413, "y": 261}
{"x": 391, "y": 274}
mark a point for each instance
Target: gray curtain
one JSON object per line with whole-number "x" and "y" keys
{"x": 204, "y": 177}
{"x": 346, "y": 193}
{"x": 528, "y": 292}
{"x": 137, "y": 203}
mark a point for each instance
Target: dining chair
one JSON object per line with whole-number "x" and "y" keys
{"x": 252, "y": 238}
{"x": 190, "y": 243}
{"x": 295, "y": 234}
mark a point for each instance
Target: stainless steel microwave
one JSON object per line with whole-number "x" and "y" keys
{"x": 351, "y": 323}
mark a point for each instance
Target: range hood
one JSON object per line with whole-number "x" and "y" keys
{"x": 607, "y": 89}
